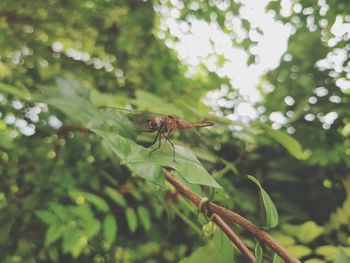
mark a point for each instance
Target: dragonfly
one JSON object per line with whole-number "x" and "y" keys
{"x": 162, "y": 125}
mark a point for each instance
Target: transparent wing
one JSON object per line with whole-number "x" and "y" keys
{"x": 129, "y": 123}
{"x": 137, "y": 119}
{"x": 196, "y": 138}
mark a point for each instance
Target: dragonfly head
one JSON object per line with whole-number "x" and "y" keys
{"x": 153, "y": 124}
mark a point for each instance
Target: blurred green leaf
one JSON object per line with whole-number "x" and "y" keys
{"x": 153, "y": 103}
{"x": 71, "y": 98}
{"x": 216, "y": 249}
{"x": 299, "y": 251}
{"x": 144, "y": 217}
{"x": 97, "y": 201}
{"x": 70, "y": 240}
{"x": 328, "y": 252}
{"x": 288, "y": 142}
{"x": 106, "y": 99}
{"x": 91, "y": 227}
{"x": 342, "y": 257}
{"x": 285, "y": 240}
{"x": 258, "y": 251}
{"x": 277, "y": 259}
{"x": 53, "y": 254}
{"x": 309, "y": 231}
{"x": 270, "y": 209}
{"x": 54, "y": 232}
{"x": 20, "y": 93}
{"x": 82, "y": 211}
{"x": 109, "y": 229}
{"x": 131, "y": 219}
{"x": 346, "y": 130}
{"x": 62, "y": 212}
{"x": 47, "y": 217}
{"x": 115, "y": 196}
{"x": 315, "y": 260}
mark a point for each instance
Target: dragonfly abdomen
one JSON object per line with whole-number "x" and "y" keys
{"x": 185, "y": 125}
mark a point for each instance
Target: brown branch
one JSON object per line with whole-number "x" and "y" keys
{"x": 232, "y": 216}
{"x": 233, "y": 237}
{"x": 236, "y": 240}
{"x": 74, "y": 127}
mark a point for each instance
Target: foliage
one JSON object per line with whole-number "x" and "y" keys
{"x": 78, "y": 185}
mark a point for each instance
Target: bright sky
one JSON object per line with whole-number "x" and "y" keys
{"x": 200, "y": 41}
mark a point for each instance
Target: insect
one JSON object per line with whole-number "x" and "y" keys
{"x": 165, "y": 124}
{"x": 162, "y": 125}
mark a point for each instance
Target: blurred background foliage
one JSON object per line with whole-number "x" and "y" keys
{"x": 65, "y": 196}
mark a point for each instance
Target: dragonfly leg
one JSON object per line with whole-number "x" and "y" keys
{"x": 172, "y": 145}
{"x": 155, "y": 139}
{"x": 160, "y": 142}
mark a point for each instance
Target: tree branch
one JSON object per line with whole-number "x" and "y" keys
{"x": 236, "y": 240}
{"x": 232, "y": 216}
{"x": 233, "y": 237}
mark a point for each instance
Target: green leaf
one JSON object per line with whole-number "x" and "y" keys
{"x": 148, "y": 166}
{"x": 109, "y": 229}
{"x": 251, "y": 60}
{"x": 328, "y": 252}
{"x": 306, "y": 81}
{"x": 288, "y": 142}
{"x": 53, "y": 254}
{"x": 91, "y": 227}
{"x": 47, "y": 217}
{"x": 299, "y": 251}
{"x": 115, "y": 196}
{"x": 315, "y": 260}
{"x": 217, "y": 249}
{"x": 53, "y": 233}
{"x": 82, "y": 211}
{"x": 309, "y": 231}
{"x": 270, "y": 209}
{"x": 346, "y": 130}
{"x": 277, "y": 259}
{"x": 258, "y": 252}
{"x": 148, "y": 101}
{"x": 186, "y": 163}
{"x": 107, "y": 99}
{"x": 285, "y": 240}
{"x": 62, "y": 212}
{"x": 131, "y": 218}
{"x": 123, "y": 147}
{"x": 97, "y": 201}
{"x": 70, "y": 240}
{"x": 342, "y": 257}
{"x": 144, "y": 217}
{"x": 72, "y": 99}
{"x": 20, "y": 93}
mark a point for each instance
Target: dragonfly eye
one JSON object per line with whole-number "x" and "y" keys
{"x": 152, "y": 124}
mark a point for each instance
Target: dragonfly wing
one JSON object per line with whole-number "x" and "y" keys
{"x": 129, "y": 123}
{"x": 197, "y": 140}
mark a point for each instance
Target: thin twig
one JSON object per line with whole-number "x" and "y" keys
{"x": 233, "y": 237}
{"x": 236, "y": 240}
{"x": 232, "y": 216}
